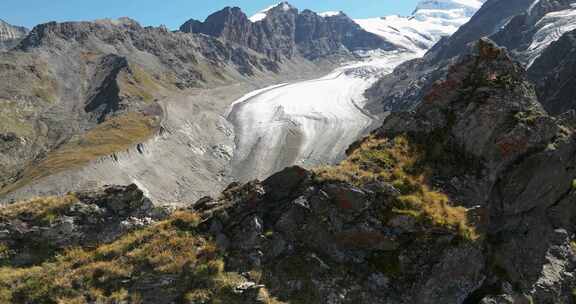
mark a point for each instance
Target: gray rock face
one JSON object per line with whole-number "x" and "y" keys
{"x": 10, "y": 35}
{"x": 285, "y": 32}
{"x": 519, "y": 170}
{"x": 491, "y": 147}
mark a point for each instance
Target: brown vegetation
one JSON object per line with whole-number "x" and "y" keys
{"x": 399, "y": 162}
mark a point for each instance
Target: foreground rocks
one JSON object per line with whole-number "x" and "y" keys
{"x": 337, "y": 243}
{"x": 33, "y": 231}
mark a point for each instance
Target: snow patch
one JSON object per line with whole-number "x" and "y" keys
{"x": 329, "y": 14}
{"x": 261, "y": 15}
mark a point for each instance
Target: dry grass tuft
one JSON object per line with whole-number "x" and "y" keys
{"x": 100, "y": 275}
{"x": 397, "y": 162}
{"x": 40, "y": 210}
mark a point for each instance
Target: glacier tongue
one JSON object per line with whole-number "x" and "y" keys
{"x": 307, "y": 123}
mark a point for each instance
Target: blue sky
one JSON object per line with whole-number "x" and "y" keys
{"x": 172, "y": 13}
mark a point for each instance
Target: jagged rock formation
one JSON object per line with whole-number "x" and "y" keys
{"x": 490, "y": 146}
{"x": 523, "y": 178}
{"x": 284, "y": 32}
{"x": 10, "y": 35}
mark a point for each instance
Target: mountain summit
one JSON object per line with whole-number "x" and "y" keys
{"x": 261, "y": 15}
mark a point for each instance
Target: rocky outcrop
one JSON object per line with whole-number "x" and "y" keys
{"x": 519, "y": 171}
{"x": 10, "y": 35}
{"x": 337, "y": 243}
{"x": 285, "y": 33}
{"x": 31, "y": 232}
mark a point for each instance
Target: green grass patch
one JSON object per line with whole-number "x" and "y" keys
{"x": 137, "y": 83}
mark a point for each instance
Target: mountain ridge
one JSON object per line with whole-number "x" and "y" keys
{"x": 284, "y": 31}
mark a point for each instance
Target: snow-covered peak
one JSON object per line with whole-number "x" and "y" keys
{"x": 330, "y": 14}
{"x": 431, "y": 20}
{"x": 261, "y": 15}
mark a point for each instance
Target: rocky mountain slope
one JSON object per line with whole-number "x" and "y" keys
{"x": 526, "y": 28}
{"x": 441, "y": 205}
{"x": 553, "y": 73}
{"x": 10, "y": 35}
{"x": 430, "y": 21}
